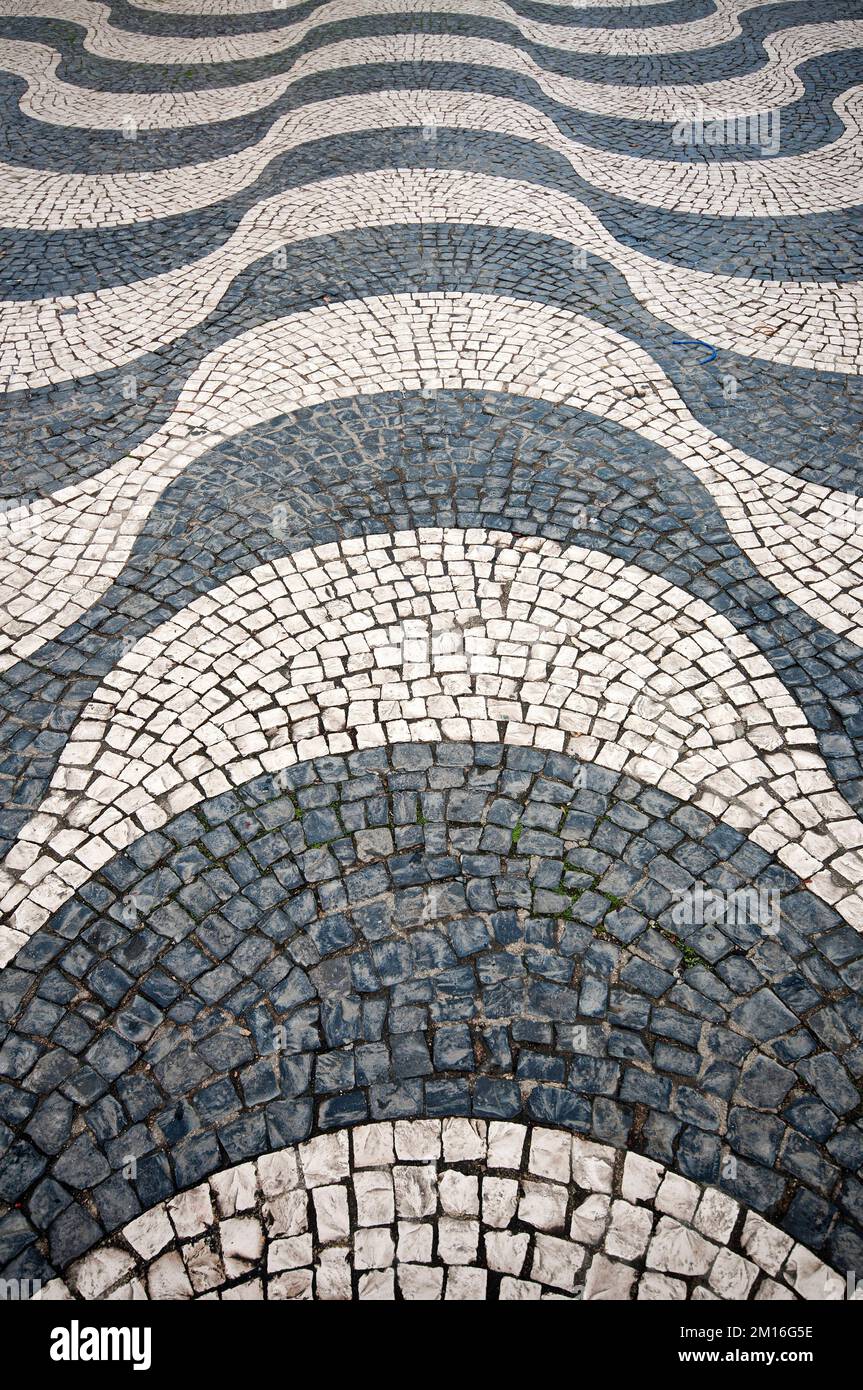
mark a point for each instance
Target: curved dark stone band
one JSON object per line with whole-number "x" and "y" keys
{"x": 430, "y": 930}
{"x": 804, "y": 125}
{"x": 395, "y": 462}
{"x": 804, "y": 422}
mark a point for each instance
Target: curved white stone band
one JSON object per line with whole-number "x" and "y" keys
{"x": 104, "y": 40}
{"x": 801, "y": 323}
{"x": 421, "y": 636}
{"x": 769, "y": 87}
{"x": 69, "y": 547}
{"x": 824, "y": 179}
{"x": 637, "y": 1229}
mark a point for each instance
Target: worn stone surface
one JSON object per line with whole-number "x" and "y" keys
{"x": 431, "y": 651}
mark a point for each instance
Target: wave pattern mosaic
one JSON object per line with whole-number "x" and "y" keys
{"x": 431, "y": 649}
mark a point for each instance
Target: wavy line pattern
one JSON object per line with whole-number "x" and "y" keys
{"x": 776, "y": 84}
{"x": 796, "y": 323}
{"x": 804, "y": 538}
{"x": 742, "y": 56}
{"x": 431, "y": 649}
{"x": 578, "y": 663}
{"x": 211, "y": 8}
{"x": 105, "y": 40}
{"x": 825, "y": 179}
{"x": 571, "y": 479}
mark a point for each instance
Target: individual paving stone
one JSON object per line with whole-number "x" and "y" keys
{"x": 629, "y": 1231}
{"x": 641, "y": 1178}
{"x": 593, "y": 1165}
{"x": 614, "y": 1249}
{"x": 716, "y": 1216}
{"x": 675, "y": 1249}
{"x": 550, "y": 1155}
{"x": 677, "y": 1197}
{"x": 375, "y": 1197}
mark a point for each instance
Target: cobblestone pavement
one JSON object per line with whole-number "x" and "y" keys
{"x": 431, "y": 649}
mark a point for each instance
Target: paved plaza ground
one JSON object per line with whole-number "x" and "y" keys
{"x": 431, "y": 649}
